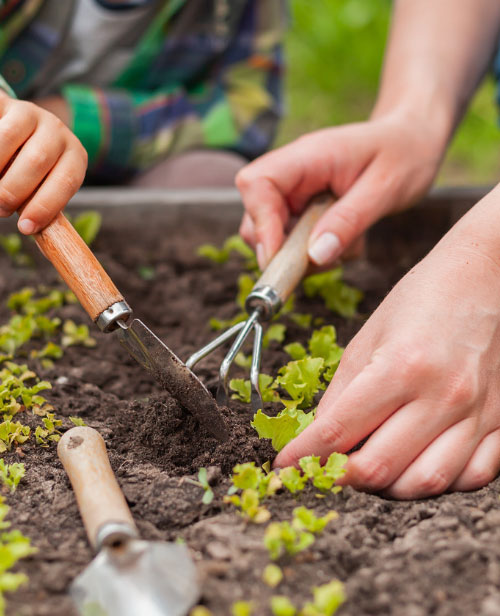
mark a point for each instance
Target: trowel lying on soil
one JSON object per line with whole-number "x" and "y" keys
{"x": 129, "y": 576}
{"x": 105, "y": 305}
{"x": 270, "y": 292}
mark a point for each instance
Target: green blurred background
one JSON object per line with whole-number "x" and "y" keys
{"x": 334, "y": 51}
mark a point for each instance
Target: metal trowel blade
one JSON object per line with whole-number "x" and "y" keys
{"x": 173, "y": 375}
{"x": 150, "y": 578}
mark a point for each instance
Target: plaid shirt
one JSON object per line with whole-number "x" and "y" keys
{"x": 206, "y": 73}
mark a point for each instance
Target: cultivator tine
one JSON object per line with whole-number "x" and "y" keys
{"x": 211, "y": 346}
{"x": 222, "y": 389}
{"x": 256, "y": 397}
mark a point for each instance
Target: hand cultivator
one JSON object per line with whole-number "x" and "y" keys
{"x": 105, "y": 305}
{"x": 269, "y": 293}
{"x": 129, "y": 576}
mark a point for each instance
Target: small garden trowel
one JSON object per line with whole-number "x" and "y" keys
{"x": 105, "y": 305}
{"x": 129, "y": 576}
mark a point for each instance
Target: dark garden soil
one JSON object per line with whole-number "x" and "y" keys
{"x": 439, "y": 556}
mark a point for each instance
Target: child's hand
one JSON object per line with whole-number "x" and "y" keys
{"x": 42, "y": 163}
{"x": 421, "y": 378}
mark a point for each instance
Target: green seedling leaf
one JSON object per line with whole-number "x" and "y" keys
{"x": 242, "y": 360}
{"x": 281, "y": 538}
{"x": 324, "y": 477}
{"x": 213, "y": 253}
{"x": 88, "y": 225}
{"x": 208, "y": 495}
{"x": 146, "y": 272}
{"x": 242, "y": 389}
{"x": 296, "y": 350}
{"x": 242, "y": 608}
{"x": 76, "y": 335}
{"x": 272, "y": 575}
{"x": 327, "y": 599}
{"x": 338, "y": 296}
{"x": 200, "y": 610}
{"x": 12, "y": 245}
{"x": 218, "y": 324}
{"x": 11, "y": 474}
{"x": 301, "y": 379}
{"x": 282, "y": 428}
{"x": 275, "y": 332}
{"x": 76, "y": 421}
{"x": 304, "y": 518}
{"x": 293, "y": 480}
{"x": 282, "y": 606}
{"x": 249, "y": 505}
{"x": 245, "y": 285}
{"x": 302, "y": 320}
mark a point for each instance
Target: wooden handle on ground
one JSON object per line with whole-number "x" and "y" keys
{"x": 290, "y": 263}
{"x": 83, "y": 454}
{"x": 78, "y": 267}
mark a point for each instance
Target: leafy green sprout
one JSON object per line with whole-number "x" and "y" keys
{"x": 11, "y": 474}
{"x": 242, "y": 608}
{"x": 272, "y": 575}
{"x": 208, "y": 495}
{"x": 76, "y": 335}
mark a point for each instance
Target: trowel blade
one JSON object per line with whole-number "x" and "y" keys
{"x": 152, "y": 577}
{"x": 173, "y": 375}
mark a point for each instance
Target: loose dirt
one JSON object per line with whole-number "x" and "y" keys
{"x": 439, "y": 556}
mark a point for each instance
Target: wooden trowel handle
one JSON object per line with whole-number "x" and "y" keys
{"x": 290, "y": 263}
{"x": 101, "y": 502}
{"x": 78, "y": 267}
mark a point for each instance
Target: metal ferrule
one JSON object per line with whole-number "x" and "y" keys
{"x": 107, "y": 320}
{"x": 265, "y": 300}
{"x": 112, "y": 534}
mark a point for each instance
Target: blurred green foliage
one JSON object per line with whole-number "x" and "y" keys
{"x": 334, "y": 51}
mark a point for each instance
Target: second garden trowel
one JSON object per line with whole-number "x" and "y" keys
{"x": 105, "y": 305}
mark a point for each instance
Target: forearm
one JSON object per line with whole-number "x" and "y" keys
{"x": 437, "y": 53}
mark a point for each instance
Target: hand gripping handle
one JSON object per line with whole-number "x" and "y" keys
{"x": 103, "y": 508}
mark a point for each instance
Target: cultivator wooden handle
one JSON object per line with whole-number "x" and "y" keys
{"x": 78, "y": 267}
{"x": 101, "y": 502}
{"x": 289, "y": 265}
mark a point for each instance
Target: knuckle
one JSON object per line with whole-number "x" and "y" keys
{"x": 477, "y": 477}
{"x": 39, "y": 159}
{"x": 431, "y": 483}
{"x": 244, "y": 178}
{"x": 461, "y": 390}
{"x": 8, "y": 200}
{"x": 70, "y": 182}
{"x": 8, "y": 132}
{"x": 350, "y": 218}
{"x": 332, "y": 432}
{"x": 412, "y": 361}
{"x": 370, "y": 473}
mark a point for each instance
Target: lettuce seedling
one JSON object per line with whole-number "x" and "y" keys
{"x": 337, "y": 295}
{"x": 302, "y": 320}
{"x": 281, "y": 538}
{"x": 304, "y": 518}
{"x": 12, "y": 432}
{"x": 242, "y": 608}
{"x": 327, "y": 599}
{"x": 242, "y": 389}
{"x": 293, "y": 480}
{"x": 200, "y": 610}
{"x": 50, "y": 433}
{"x": 282, "y": 606}
{"x": 76, "y": 335}
{"x": 202, "y": 482}
{"x": 76, "y": 421}
{"x": 11, "y": 474}
{"x": 13, "y": 546}
{"x": 234, "y": 243}
{"x": 275, "y": 332}
{"x": 272, "y": 575}
{"x": 301, "y": 379}
{"x": 12, "y": 245}
{"x": 281, "y": 429}
{"x": 249, "y": 505}
{"x": 324, "y": 477}
{"x": 88, "y": 225}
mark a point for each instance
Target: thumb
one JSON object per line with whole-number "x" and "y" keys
{"x": 347, "y": 219}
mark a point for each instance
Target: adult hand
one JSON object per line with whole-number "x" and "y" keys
{"x": 373, "y": 168}
{"x": 42, "y": 163}
{"x": 421, "y": 378}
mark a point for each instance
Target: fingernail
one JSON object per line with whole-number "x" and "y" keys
{"x": 4, "y": 212}
{"x": 261, "y": 256}
{"x": 26, "y": 226}
{"x": 325, "y": 249}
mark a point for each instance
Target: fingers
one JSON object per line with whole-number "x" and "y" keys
{"x": 15, "y": 128}
{"x": 395, "y": 445}
{"x": 363, "y": 406}
{"x": 267, "y": 209}
{"x": 439, "y": 465}
{"x": 59, "y": 186}
{"x": 370, "y": 197}
{"x": 36, "y": 158}
{"x": 482, "y": 467}
{"x": 247, "y": 230}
